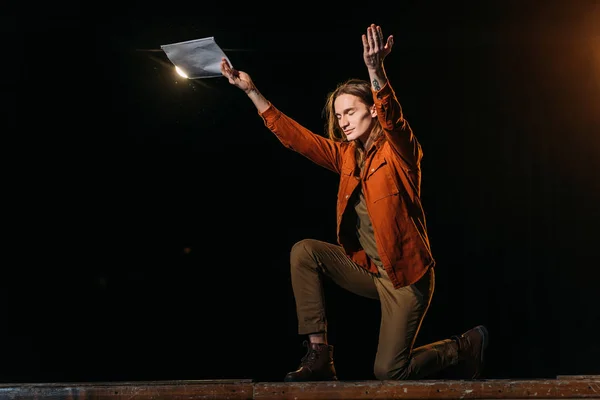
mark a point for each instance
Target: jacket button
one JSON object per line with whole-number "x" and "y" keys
{"x": 347, "y": 195}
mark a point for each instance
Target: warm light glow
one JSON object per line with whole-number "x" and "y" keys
{"x": 180, "y": 72}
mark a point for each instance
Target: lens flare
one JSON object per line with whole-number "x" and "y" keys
{"x": 180, "y": 72}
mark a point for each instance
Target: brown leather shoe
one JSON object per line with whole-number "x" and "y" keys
{"x": 471, "y": 346}
{"x": 316, "y": 365}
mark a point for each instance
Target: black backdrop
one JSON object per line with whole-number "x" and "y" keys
{"x": 117, "y": 165}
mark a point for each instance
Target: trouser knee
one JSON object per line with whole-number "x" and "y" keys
{"x": 302, "y": 253}
{"x": 389, "y": 371}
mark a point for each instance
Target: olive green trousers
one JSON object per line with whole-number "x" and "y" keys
{"x": 402, "y": 309}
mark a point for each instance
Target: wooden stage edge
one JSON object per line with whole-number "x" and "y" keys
{"x": 563, "y": 387}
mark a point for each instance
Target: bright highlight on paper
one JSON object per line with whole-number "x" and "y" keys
{"x": 194, "y": 59}
{"x": 180, "y": 72}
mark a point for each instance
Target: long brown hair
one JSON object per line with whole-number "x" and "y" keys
{"x": 361, "y": 89}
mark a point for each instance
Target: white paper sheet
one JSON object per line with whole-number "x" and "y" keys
{"x": 199, "y": 58}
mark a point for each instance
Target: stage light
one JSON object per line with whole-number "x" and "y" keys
{"x": 180, "y": 72}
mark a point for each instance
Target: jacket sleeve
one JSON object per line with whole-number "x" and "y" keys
{"x": 320, "y": 150}
{"x": 396, "y": 128}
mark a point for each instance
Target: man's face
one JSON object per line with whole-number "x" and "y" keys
{"x": 354, "y": 117}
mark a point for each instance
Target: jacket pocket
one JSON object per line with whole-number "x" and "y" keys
{"x": 379, "y": 181}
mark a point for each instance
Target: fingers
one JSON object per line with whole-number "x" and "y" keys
{"x": 374, "y": 37}
{"x": 365, "y": 41}
{"x": 390, "y": 42}
{"x": 226, "y": 69}
{"x": 379, "y": 33}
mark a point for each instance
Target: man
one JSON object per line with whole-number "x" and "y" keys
{"x": 383, "y": 250}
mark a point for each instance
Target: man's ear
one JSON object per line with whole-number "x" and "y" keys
{"x": 373, "y": 111}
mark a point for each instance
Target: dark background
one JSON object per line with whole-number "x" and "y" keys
{"x": 116, "y": 165}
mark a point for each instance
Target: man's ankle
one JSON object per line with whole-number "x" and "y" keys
{"x": 317, "y": 338}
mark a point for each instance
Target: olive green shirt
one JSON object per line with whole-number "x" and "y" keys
{"x": 364, "y": 228}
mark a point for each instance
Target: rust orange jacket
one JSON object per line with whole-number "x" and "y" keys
{"x": 391, "y": 182}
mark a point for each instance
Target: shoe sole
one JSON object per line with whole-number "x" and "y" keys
{"x": 485, "y": 340}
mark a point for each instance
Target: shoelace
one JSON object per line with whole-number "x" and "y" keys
{"x": 310, "y": 357}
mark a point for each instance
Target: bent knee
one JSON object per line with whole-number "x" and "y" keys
{"x": 302, "y": 251}
{"x": 389, "y": 371}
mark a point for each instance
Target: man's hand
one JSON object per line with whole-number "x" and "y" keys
{"x": 374, "y": 48}
{"x": 237, "y": 78}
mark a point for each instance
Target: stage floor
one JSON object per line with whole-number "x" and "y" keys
{"x": 563, "y": 387}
